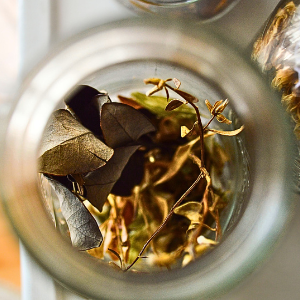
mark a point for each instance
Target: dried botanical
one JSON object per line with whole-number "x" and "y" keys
{"x": 154, "y": 188}
{"x": 277, "y": 51}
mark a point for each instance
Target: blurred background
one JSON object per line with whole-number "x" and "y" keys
{"x": 9, "y": 64}
{"x": 28, "y": 28}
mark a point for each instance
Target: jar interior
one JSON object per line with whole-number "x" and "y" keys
{"x": 125, "y": 78}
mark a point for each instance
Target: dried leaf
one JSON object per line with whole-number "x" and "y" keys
{"x": 186, "y": 96}
{"x": 209, "y": 106}
{"x": 181, "y": 155}
{"x": 131, "y": 175}
{"x": 122, "y": 124}
{"x": 162, "y": 203}
{"x": 69, "y": 148}
{"x": 173, "y": 104}
{"x": 220, "y": 107}
{"x": 190, "y": 210}
{"x": 217, "y": 109}
{"x": 223, "y": 119}
{"x": 100, "y": 182}
{"x": 163, "y": 259}
{"x": 227, "y": 133}
{"x": 86, "y": 103}
{"x": 177, "y": 83}
{"x": 184, "y": 131}
{"x": 202, "y": 240}
{"x": 130, "y": 102}
{"x": 84, "y": 230}
{"x": 188, "y": 132}
{"x": 285, "y": 79}
{"x": 159, "y": 84}
{"x": 156, "y": 105}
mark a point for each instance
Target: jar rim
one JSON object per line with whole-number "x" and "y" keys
{"x": 79, "y": 58}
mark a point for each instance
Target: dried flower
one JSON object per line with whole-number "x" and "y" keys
{"x": 217, "y": 109}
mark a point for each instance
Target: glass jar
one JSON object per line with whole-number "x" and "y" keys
{"x": 276, "y": 51}
{"x": 199, "y": 9}
{"x": 118, "y": 57}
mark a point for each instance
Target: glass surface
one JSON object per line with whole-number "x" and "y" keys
{"x": 117, "y": 57}
{"x": 198, "y": 9}
{"x": 277, "y": 53}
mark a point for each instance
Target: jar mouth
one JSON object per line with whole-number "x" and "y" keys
{"x": 167, "y": 2}
{"x": 196, "y": 51}
{"x": 201, "y": 10}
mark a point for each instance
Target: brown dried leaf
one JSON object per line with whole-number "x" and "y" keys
{"x": 122, "y": 124}
{"x": 69, "y": 148}
{"x": 173, "y": 104}
{"x": 85, "y": 102}
{"x": 84, "y": 230}
{"x": 100, "y": 182}
{"x": 180, "y": 157}
{"x": 186, "y": 96}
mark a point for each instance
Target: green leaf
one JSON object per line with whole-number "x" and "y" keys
{"x": 84, "y": 230}
{"x": 157, "y": 104}
{"x": 69, "y": 148}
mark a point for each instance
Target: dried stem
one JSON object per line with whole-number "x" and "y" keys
{"x": 200, "y": 126}
{"x": 216, "y": 111}
{"x": 167, "y": 218}
{"x": 200, "y": 163}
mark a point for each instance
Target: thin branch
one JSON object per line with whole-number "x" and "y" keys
{"x": 186, "y": 193}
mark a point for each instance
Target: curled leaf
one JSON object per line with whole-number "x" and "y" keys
{"x": 223, "y": 119}
{"x": 190, "y": 210}
{"x": 84, "y": 230}
{"x": 217, "y": 109}
{"x": 227, "y": 133}
{"x": 86, "y": 103}
{"x": 69, "y": 148}
{"x": 180, "y": 157}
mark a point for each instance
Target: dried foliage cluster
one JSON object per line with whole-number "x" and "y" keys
{"x": 273, "y": 48}
{"x": 135, "y": 176}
